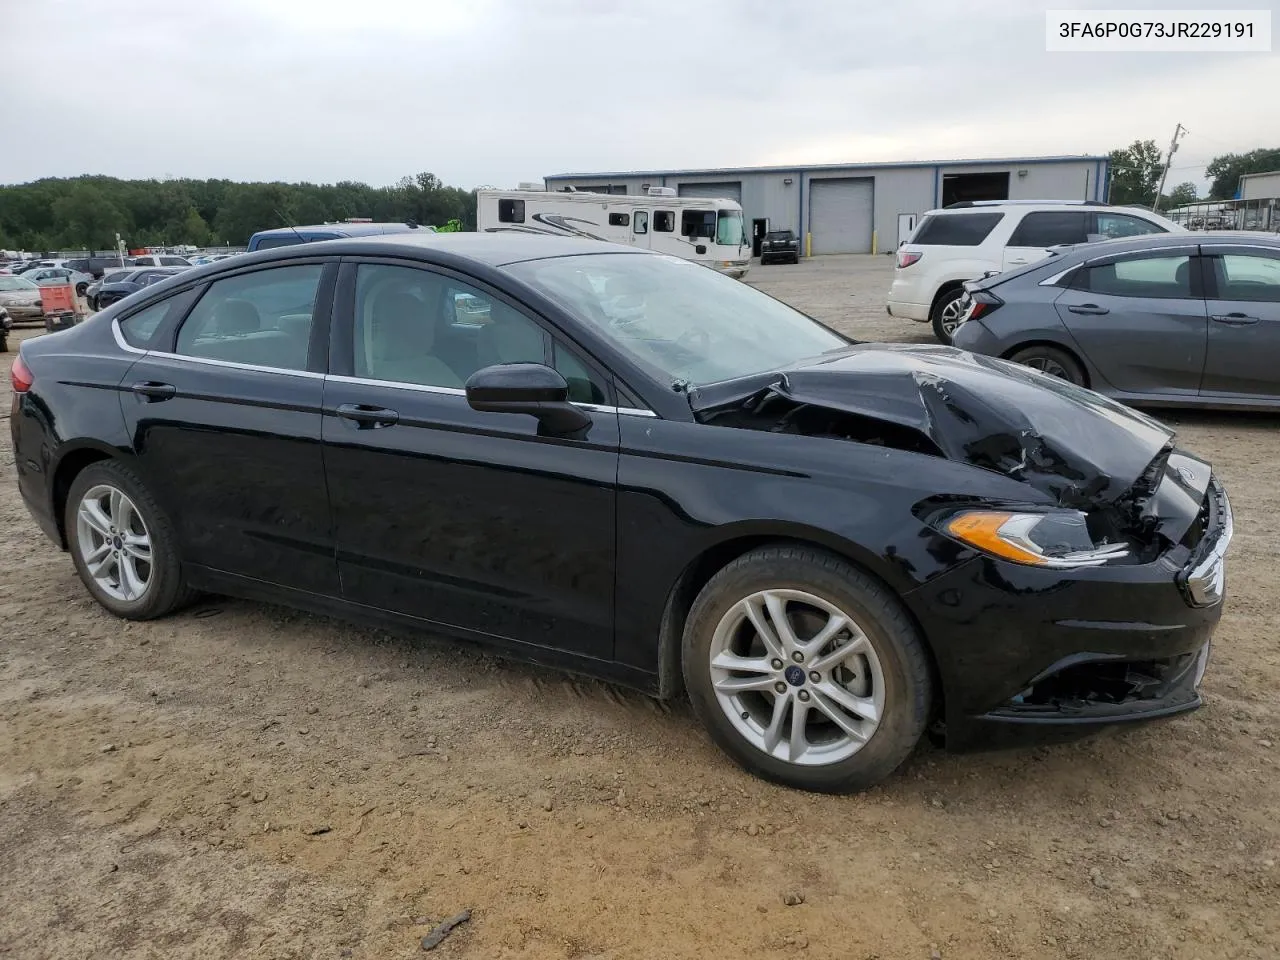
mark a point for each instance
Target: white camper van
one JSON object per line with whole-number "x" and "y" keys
{"x": 705, "y": 231}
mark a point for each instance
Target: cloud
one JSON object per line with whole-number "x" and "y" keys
{"x": 498, "y": 91}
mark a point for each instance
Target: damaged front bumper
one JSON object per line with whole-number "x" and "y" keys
{"x": 1028, "y": 654}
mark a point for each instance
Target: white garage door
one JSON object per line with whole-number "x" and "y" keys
{"x": 840, "y": 215}
{"x": 715, "y": 191}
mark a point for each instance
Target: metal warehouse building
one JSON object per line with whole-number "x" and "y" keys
{"x": 860, "y": 207}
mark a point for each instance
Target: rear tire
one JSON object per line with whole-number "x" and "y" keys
{"x": 123, "y": 545}
{"x": 855, "y": 683}
{"x": 1053, "y": 361}
{"x": 945, "y": 315}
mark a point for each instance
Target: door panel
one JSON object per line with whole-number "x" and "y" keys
{"x": 1244, "y": 324}
{"x": 225, "y": 418}
{"x": 234, "y": 456}
{"x": 473, "y": 520}
{"x": 1141, "y": 322}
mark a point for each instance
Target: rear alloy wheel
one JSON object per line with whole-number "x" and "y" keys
{"x": 805, "y": 670}
{"x": 122, "y": 544}
{"x": 1051, "y": 360}
{"x": 946, "y": 315}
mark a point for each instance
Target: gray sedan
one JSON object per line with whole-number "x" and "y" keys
{"x": 21, "y": 298}
{"x": 1175, "y": 320}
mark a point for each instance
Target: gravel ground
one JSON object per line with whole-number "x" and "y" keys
{"x": 246, "y": 781}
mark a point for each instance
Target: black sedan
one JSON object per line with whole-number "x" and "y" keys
{"x": 1159, "y": 320}
{"x": 829, "y": 545}
{"x": 117, "y": 286}
{"x": 780, "y": 245}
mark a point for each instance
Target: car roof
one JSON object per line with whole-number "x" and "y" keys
{"x": 1156, "y": 241}
{"x": 987, "y": 206}
{"x": 342, "y": 229}
{"x": 495, "y": 249}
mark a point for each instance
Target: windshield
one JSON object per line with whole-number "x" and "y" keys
{"x": 729, "y": 228}
{"x": 681, "y": 320}
{"x": 17, "y": 283}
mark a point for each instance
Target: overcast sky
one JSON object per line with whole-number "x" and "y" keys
{"x": 499, "y": 91}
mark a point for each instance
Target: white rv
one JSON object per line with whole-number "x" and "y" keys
{"x": 705, "y": 231}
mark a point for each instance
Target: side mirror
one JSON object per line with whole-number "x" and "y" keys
{"x": 531, "y": 388}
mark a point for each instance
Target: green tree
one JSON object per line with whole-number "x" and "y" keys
{"x": 1135, "y": 173}
{"x": 1225, "y": 171}
{"x": 88, "y": 218}
{"x": 1180, "y": 195}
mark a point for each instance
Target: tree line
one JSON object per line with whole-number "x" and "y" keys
{"x": 87, "y": 212}
{"x": 1136, "y": 171}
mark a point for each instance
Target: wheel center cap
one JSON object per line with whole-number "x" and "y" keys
{"x": 117, "y": 542}
{"x": 794, "y": 675}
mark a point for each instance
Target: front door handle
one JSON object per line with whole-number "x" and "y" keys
{"x": 1088, "y": 309}
{"x": 1018, "y": 262}
{"x": 1234, "y": 319}
{"x": 367, "y": 417}
{"x": 154, "y": 392}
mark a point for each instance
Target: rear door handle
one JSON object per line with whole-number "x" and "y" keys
{"x": 1019, "y": 261}
{"x": 153, "y": 391}
{"x": 367, "y": 417}
{"x": 1088, "y": 309}
{"x": 1234, "y": 319}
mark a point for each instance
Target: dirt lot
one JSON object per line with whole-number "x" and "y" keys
{"x": 246, "y": 781}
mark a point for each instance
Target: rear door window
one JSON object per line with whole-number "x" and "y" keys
{"x": 1247, "y": 278}
{"x": 956, "y": 229}
{"x": 1048, "y": 228}
{"x": 262, "y": 318}
{"x": 1162, "y": 278}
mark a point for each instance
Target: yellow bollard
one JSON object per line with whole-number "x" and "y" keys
{"x": 808, "y": 244}
{"x": 875, "y": 242}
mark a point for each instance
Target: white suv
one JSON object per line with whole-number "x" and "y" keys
{"x": 965, "y": 240}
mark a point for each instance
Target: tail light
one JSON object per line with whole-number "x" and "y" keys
{"x": 983, "y": 303}
{"x": 906, "y": 259}
{"x": 20, "y": 375}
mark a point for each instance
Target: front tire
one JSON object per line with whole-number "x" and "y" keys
{"x": 806, "y": 670}
{"x": 947, "y": 314}
{"x": 122, "y": 544}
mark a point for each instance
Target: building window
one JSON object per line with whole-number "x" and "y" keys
{"x": 619, "y": 219}
{"x": 664, "y": 221}
{"x": 511, "y": 211}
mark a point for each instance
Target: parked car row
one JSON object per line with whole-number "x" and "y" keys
{"x": 966, "y": 240}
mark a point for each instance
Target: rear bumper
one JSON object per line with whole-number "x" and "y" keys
{"x": 1027, "y": 654}
{"x": 908, "y": 311}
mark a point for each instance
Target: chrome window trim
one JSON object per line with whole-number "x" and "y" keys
{"x": 1210, "y": 249}
{"x": 209, "y": 361}
{"x": 459, "y": 392}
{"x": 339, "y": 378}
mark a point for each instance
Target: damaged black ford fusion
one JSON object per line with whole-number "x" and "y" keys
{"x": 628, "y": 465}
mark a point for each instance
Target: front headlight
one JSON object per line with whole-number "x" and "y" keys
{"x": 1059, "y": 539}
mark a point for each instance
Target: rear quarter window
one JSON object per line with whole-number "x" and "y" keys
{"x": 956, "y": 229}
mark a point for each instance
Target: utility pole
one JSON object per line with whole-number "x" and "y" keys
{"x": 1173, "y": 148}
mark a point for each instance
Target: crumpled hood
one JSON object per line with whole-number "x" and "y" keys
{"x": 1075, "y": 445}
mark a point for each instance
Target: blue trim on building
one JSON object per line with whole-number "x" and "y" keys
{"x": 937, "y": 186}
{"x": 897, "y": 164}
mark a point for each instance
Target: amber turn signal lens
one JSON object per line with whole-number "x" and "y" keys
{"x": 982, "y": 530}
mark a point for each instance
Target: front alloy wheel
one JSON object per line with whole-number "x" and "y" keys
{"x": 797, "y": 677}
{"x": 806, "y": 670}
